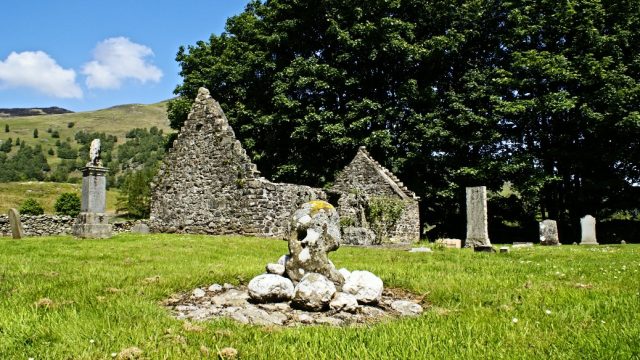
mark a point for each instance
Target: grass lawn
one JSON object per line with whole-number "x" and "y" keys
{"x": 564, "y": 302}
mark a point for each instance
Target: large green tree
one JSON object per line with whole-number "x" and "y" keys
{"x": 570, "y": 96}
{"x": 447, "y": 94}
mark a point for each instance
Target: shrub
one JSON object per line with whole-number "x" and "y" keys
{"x": 68, "y": 204}
{"x": 31, "y": 207}
{"x": 70, "y": 124}
{"x": 35, "y": 133}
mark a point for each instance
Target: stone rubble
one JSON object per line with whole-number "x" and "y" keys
{"x": 303, "y": 287}
{"x": 235, "y": 303}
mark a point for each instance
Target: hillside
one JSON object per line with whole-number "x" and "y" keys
{"x": 12, "y": 195}
{"x": 117, "y": 121}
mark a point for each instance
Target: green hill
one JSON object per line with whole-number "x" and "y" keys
{"x": 13, "y": 194}
{"x": 117, "y": 120}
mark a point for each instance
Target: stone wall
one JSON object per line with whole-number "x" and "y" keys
{"x": 208, "y": 185}
{"x": 364, "y": 178}
{"x": 51, "y": 225}
{"x": 39, "y": 225}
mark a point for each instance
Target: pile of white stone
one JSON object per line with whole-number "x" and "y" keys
{"x": 304, "y": 286}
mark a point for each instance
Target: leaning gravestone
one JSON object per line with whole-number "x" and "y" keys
{"x": 549, "y": 233}
{"x": 588, "y": 225}
{"x": 17, "y": 232}
{"x": 93, "y": 222}
{"x": 477, "y": 224}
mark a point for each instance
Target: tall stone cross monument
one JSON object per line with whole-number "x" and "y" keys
{"x": 92, "y": 222}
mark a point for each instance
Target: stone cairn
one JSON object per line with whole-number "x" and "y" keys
{"x": 303, "y": 287}
{"x": 92, "y": 222}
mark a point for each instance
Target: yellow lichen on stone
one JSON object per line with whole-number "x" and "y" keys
{"x": 317, "y": 205}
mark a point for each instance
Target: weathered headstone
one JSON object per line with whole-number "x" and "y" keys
{"x": 549, "y": 233}
{"x": 450, "y": 243}
{"x": 477, "y": 224}
{"x": 93, "y": 222}
{"x": 588, "y": 225}
{"x": 17, "y": 231}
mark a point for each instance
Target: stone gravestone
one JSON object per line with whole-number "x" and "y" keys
{"x": 450, "y": 243}
{"x": 93, "y": 222}
{"x": 477, "y": 225}
{"x": 549, "y": 233}
{"x": 588, "y": 225}
{"x": 17, "y": 232}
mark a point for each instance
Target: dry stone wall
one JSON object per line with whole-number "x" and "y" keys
{"x": 208, "y": 185}
{"x": 364, "y": 179}
{"x": 51, "y": 225}
{"x": 39, "y": 225}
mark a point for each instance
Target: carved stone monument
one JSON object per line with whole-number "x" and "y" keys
{"x": 477, "y": 224}
{"x": 92, "y": 222}
{"x": 17, "y": 232}
{"x": 549, "y": 233}
{"x": 588, "y": 225}
{"x": 315, "y": 232}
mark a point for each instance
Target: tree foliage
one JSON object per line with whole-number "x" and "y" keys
{"x": 31, "y": 207}
{"x": 538, "y": 93}
{"x": 68, "y": 204}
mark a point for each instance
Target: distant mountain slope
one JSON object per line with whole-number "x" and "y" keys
{"x": 117, "y": 120}
{"x": 32, "y": 111}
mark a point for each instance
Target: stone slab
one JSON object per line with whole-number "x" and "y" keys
{"x": 450, "y": 243}
{"x": 92, "y": 226}
{"x": 549, "y": 233}
{"x": 588, "y": 225}
{"x": 420, "y": 250}
{"x": 94, "y": 189}
{"x": 484, "y": 248}
{"x": 477, "y": 221}
{"x": 17, "y": 231}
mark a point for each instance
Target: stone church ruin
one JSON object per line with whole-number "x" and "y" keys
{"x": 207, "y": 184}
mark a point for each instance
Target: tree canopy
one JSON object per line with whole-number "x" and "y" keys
{"x": 543, "y": 95}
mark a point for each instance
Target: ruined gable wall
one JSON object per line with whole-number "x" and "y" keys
{"x": 208, "y": 185}
{"x": 366, "y": 177}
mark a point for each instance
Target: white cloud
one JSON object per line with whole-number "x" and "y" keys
{"x": 117, "y": 59}
{"x": 37, "y": 70}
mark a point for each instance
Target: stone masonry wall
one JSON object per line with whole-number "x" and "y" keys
{"x": 208, "y": 185}
{"x": 51, "y": 225}
{"x": 39, "y": 225}
{"x": 366, "y": 178}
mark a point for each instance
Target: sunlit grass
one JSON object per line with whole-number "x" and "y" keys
{"x": 86, "y": 299}
{"x": 13, "y": 194}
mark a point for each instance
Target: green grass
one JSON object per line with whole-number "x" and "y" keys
{"x": 592, "y": 294}
{"x": 117, "y": 120}
{"x": 13, "y": 194}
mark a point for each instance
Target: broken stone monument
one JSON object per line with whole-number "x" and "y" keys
{"x": 303, "y": 287}
{"x": 549, "y": 233}
{"x": 588, "y": 225}
{"x": 316, "y": 231}
{"x": 93, "y": 222}
{"x": 477, "y": 222}
{"x": 17, "y": 231}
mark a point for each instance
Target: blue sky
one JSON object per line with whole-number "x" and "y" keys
{"x": 87, "y": 55}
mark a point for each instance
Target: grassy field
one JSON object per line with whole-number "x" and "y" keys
{"x": 13, "y": 194}
{"x": 117, "y": 120}
{"x": 62, "y": 298}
